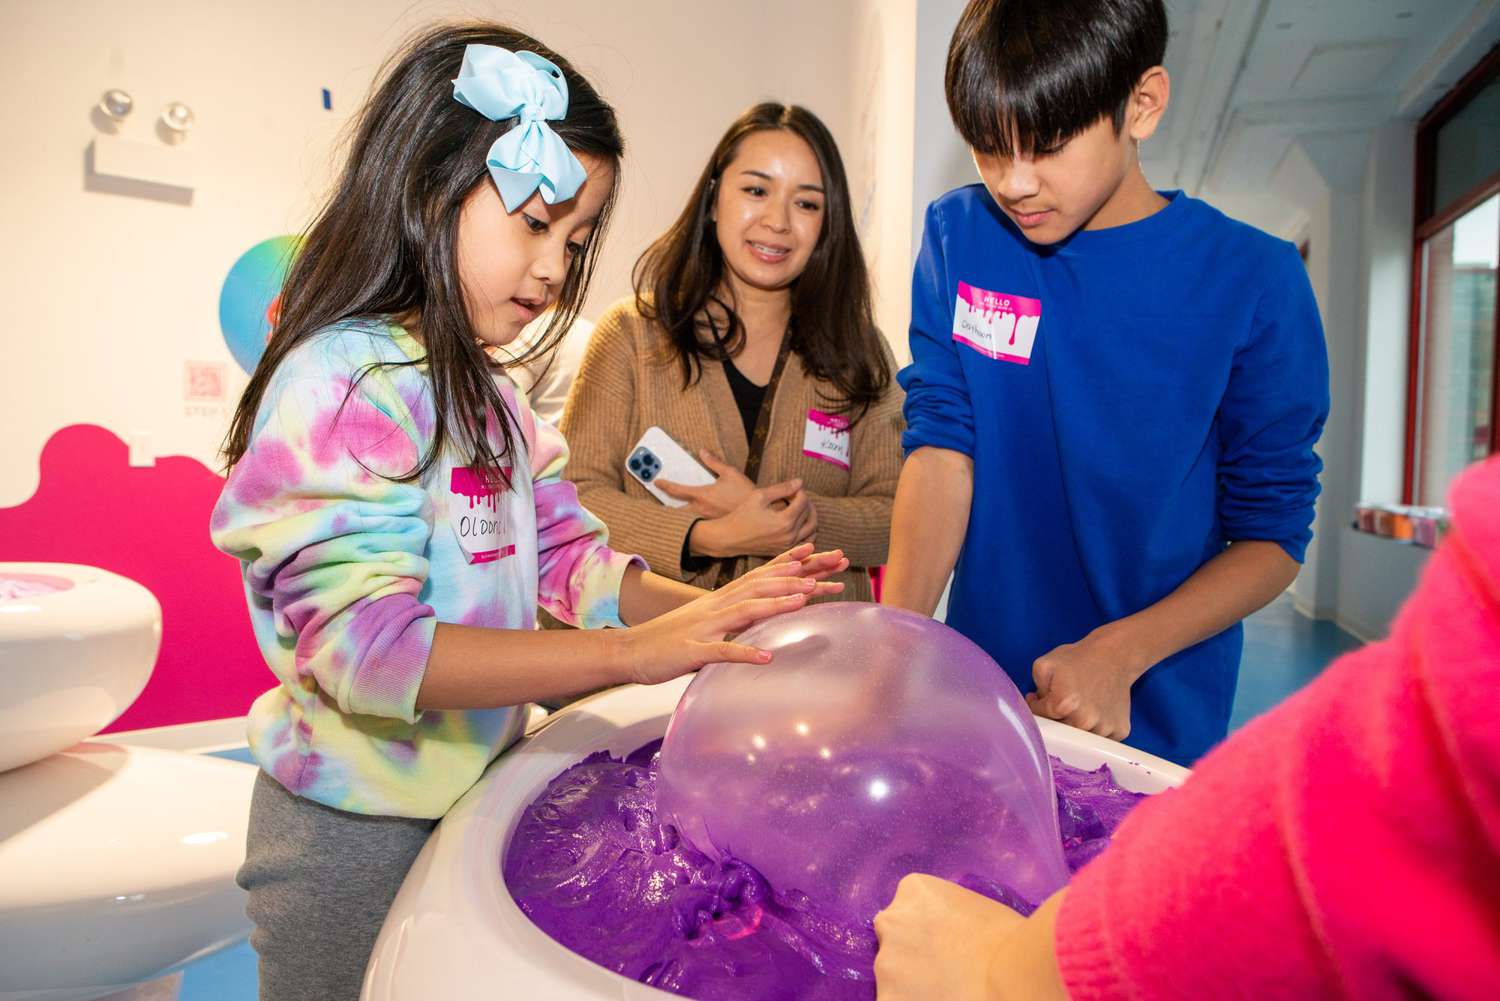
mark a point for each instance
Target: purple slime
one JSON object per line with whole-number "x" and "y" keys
{"x": 590, "y": 865}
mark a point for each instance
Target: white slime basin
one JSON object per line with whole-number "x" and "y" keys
{"x": 454, "y": 932}
{"x": 77, "y": 645}
{"x": 116, "y": 863}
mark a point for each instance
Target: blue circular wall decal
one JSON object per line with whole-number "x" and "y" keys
{"x": 251, "y": 295}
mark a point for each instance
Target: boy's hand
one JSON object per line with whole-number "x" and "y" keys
{"x": 1087, "y": 685}
{"x": 937, "y": 940}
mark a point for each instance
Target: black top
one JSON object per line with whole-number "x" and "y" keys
{"x": 747, "y": 396}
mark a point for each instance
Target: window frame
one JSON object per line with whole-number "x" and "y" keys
{"x": 1427, "y": 220}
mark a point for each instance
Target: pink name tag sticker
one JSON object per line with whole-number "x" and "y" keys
{"x": 478, "y": 516}
{"x": 996, "y": 324}
{"x": 826, "y": 437}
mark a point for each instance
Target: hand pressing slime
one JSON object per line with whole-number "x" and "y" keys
{"x": 877, "y": 743}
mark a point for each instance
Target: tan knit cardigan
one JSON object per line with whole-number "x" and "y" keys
{"x": 629, "y": 380}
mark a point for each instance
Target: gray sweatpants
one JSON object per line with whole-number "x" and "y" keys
{"x": 320, "y": 882}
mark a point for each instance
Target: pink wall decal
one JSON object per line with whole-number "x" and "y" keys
{"x": 151, "y": 525}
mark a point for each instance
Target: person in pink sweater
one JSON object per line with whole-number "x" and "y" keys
{"x": 1345, "y": 844}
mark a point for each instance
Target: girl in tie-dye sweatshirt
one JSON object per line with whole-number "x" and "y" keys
{"x": 398, "y": 511}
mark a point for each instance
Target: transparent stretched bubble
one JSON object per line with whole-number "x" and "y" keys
{"x": 877, "y": 743}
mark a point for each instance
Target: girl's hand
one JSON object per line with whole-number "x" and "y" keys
{"x": 1087, "y": 685}
{"x": 815, "y": 566}
{"x": 693, "y": 635}
{"x": 769, "y": 520}
{"x": 715, "y": 499}
{"x": 937, "y": 940}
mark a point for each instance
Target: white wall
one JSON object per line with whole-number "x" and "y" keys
{"x": 907, "y": 141}
{"x": 108, "y": 295}
{"x": 1389, "y": 183}
{"x": 1297, "y": 182}
{"x": 941, "y": 160}
{"x": 1355, "y": 194}
{"x": 1376, "y": 575}
{"x": 885, "y": 55}
{"x": 1332, "y": 166}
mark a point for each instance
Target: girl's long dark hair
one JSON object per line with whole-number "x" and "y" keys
{"x": 386, "y": 243}
{"x": 679, "y": 280}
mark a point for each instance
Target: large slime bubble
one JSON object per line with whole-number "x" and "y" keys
{"x": 877, "y": 743}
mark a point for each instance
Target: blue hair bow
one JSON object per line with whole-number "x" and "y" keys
{"x": 501, "y": 84}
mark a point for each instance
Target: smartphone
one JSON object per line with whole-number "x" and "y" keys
{"x": 657, "y": 457}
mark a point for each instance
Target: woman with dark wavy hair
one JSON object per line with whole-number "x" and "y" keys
{"x": 750, "y": 341}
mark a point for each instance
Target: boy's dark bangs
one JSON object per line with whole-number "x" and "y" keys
{"x": 1025, "y": 76}
{"x": 1025, "y": 117}
{"x": 1012, "y": 106}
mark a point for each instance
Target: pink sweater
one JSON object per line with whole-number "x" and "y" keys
{"x": 1345, "y": 845}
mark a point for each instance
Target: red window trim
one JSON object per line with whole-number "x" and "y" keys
{"x": 1428, "y": 219}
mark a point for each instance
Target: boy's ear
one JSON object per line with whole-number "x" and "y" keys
{"x": 1148, "y": 102}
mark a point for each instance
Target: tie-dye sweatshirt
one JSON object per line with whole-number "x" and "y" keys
{"x": 348, "y": 572}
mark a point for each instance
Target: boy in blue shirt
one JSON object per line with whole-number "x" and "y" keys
{"x": 1114, "y": 392}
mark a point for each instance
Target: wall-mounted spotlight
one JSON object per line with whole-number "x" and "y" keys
{"x": 116, "y": 104}
{"x": 178, "y": 118}
{"x": 114, "y": 156}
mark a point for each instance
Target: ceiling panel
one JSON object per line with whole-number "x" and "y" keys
{"x": 1252, "y": 76}
{"x": 1326, "y": 38}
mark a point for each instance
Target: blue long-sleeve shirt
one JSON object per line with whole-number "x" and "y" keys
{"x": 1134, "y": 399}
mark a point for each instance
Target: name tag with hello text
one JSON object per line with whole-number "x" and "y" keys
{"x": 996, "y": 324}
